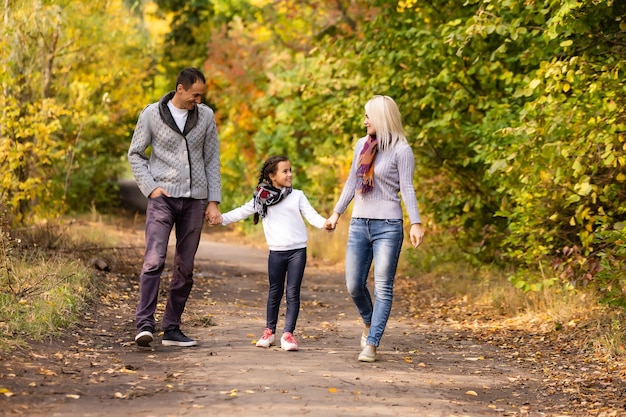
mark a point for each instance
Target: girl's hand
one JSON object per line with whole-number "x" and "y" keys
{"x": 331, "y": 222}
{"x": 212, "y": 213}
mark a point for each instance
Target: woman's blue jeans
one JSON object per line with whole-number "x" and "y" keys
{"x": 379, "y": 241}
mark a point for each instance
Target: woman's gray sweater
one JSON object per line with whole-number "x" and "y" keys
{"x": 393, "y": 174}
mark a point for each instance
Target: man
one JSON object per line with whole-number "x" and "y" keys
{"x": 179, "y": 175}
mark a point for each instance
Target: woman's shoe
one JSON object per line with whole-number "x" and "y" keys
{"x": 363, "y": 339}
{"x": 368, "y": 354}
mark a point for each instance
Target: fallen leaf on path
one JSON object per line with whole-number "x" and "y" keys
{"x": 124, "y": 370}
{"x": 47, "y": 372}
{"x": 73, "y": 396}
{"x": 6, "y": 392}
{"x": 332, "y": 390}
{"x": 472, "y": 393}
{"x": 36, "y": 356}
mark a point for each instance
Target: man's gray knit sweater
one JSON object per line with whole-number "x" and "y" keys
{"x": 393, "y": 174}
{"x": 185, "y": 164}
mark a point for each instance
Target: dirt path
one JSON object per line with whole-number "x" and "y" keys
{"x": 423, "y": 370}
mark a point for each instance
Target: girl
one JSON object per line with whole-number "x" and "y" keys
{"x": 382, "y": 167}
{"x": 281, "y": 209}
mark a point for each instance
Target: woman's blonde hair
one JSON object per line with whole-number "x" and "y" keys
{"x": 384, "y": 114}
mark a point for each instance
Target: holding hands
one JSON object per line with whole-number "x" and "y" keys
{"x": 215, "y": 221}
{"x": 212, "y": 214}
{"x": 331, "y": 222}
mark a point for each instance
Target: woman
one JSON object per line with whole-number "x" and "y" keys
{"x": 382, "y": 167}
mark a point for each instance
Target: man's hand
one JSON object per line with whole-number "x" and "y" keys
{"x": 212, "y": 213}
{"x": 157, "y": 192}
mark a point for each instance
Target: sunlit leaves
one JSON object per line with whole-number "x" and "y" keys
{"x": 281, "y": 91}
{"x": 72, "y": 78}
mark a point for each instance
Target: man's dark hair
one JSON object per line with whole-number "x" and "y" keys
{"x": 188, "y": 77}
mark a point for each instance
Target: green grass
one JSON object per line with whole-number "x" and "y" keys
{"x": 43, "y": 286}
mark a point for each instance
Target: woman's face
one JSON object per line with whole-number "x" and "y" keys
{"x": 371, "y": 130}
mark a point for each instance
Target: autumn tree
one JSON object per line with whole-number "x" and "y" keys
{"x": 514, "y": 109}
{"x": 518, "y": 113}
{"x": 264, "y": 65}
{"x": 73, "y": 75}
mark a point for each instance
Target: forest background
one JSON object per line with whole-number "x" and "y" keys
{"x": 515, "y": 110}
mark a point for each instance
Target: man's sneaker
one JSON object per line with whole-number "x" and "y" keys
{"x": 267, "y": 339}
{"x": 145, "y": 336}
{"x": 363, "y": 339}
{"x": 287, "y": 342}
{"x": 175, "y": 337}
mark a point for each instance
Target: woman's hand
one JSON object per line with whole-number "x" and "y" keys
{"x": 416, "y": 234}
{"x": 331, "y": 222}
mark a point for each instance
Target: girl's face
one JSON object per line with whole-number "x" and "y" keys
{"x": 283, "y": 176}
{"x": 371, "y": 130}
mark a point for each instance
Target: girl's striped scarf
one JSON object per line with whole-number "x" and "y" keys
{"x": 365, "y": 167}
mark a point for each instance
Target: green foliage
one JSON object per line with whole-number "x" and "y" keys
{"x": 515, "y": 110}
{"x": 561, "y": 173}
{"x": 610, "y": 281}
{"x": 72, "y": 89}
{"x": 185, "y": 42}
{"x": 282, "y": 95}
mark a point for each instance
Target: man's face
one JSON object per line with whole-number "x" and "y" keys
{"x": 192, "y": 96}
